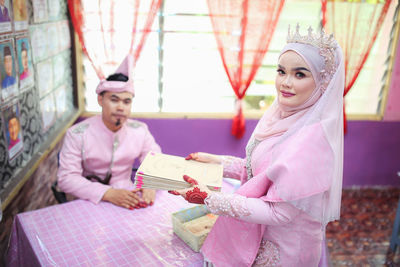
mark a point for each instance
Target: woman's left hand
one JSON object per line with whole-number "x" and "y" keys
{"x": 195, "y": 194}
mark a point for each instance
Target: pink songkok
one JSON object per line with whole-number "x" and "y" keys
{"x": 125, "y": 68}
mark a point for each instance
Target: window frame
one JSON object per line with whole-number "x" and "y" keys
{"x": 247, "y": 114}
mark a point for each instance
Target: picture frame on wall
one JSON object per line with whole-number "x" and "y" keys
{"x": 5, "y": 17}
{"x": 48, "y": 110}
{"x": 20, "y": 13}
{"x": 12, "y": 129}
{"x": 44, "y": 77}
{"x": 24, "y": 66}
{"x": 9, "y": 82}
{"x": 40, "y": 13}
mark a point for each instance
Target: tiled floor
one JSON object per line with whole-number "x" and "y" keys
{"x": 362, "y": 236}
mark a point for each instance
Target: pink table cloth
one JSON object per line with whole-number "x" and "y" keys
{"x": 80, "y": 233}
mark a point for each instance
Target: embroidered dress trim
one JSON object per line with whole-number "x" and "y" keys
{"x": 249, "y": 151}
{"x": 232, "y": 205}
{"x": 233, "y": 166}
{"x": 268, "y": 255}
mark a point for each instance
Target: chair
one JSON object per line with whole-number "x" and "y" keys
{"x": 59, "y": 195}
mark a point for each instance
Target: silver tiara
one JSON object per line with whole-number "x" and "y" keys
{"x": 326, "y": 45}
{"x": 322, "y": 40}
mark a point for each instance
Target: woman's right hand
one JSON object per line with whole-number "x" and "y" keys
{"x": 204, "y": 157}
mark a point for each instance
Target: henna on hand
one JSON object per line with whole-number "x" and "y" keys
{"x": 173, "y": 192}
{"x": 196, "y": 196}
{"x": 190, "y": 180}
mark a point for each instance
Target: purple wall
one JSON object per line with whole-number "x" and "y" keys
{"x": 371, "y": 152}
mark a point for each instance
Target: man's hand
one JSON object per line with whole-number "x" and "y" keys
{"x": 148, "y": 196}
{"x": 122, "y": 197}
{"x": 204, "y": 157}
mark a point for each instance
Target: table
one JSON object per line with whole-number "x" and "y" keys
{"x": 80, "y": 233}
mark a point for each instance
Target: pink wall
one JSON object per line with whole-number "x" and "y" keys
{"x": 392, "y": 112}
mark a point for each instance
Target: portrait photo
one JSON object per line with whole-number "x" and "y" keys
{"x": 5, "y": 16}
{"x": 9, "y": 85}
{"x": 25, "y": 70}
{"x": 13, "y": 131}
{"x": 20, "y": 15}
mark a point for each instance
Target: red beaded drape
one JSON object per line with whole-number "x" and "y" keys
{"x": 355, "y": 25}
{"x": 108, "y": 29}
{"x": 243, "y": 30}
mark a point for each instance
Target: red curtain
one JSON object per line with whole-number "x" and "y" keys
{"x": 243, "y": 30}
{"x": 355, "y": 25}
{"x": 108, "y": 29}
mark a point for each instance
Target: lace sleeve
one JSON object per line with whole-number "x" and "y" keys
{"x": 232, "y": 205}
{"x": 233, "y": 167}
{"x": 252, "y": 210}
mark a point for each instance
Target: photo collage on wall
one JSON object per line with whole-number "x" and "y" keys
{"x": 34, "y": 52}
{"x": 16, "y": 73}
{"x": 50, "y": 39}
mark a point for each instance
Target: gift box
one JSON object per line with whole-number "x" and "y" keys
{"x": 193, "y": 225}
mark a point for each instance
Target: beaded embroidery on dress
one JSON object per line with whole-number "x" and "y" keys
{"x": 233, "y": 205}
{"x": 249, "y": 151}
{"x": 268, "y": 255}
{"x": 232, "y": 166}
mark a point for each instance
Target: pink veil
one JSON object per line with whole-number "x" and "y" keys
{"x": 324, "y": 107}
{"x": 317, "y": 188}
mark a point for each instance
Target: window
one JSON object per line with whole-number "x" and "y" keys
{"x": 180, "y": 69}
